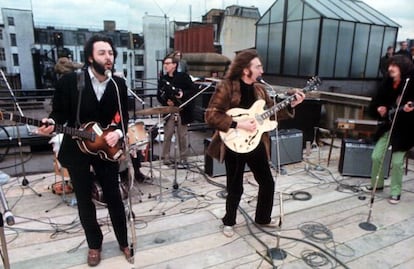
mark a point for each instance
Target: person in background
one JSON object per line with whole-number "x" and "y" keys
{"x": 239, "y": 89}
{"x": 404, "y": 49}
{"x": 175, "y": 88}
{"x": 412, "y": 53}
{"x": 382, "y": 107}
{"x": 64, "y": 65}
{"x": 182, "y": 64}
{"x": 384, "y": 61}
{"x": 98, "y": 102}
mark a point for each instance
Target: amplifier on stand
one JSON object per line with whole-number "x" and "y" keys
{"x": 289, "y": 144}
{"x": 212, "y": 167}
{"x": 355, "y": 159}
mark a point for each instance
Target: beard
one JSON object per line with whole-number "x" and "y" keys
{"x": 99, "y": 68}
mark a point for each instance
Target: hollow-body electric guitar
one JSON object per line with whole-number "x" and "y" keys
{"x": 90, "y": 137}
{"x": 243, "y": 141}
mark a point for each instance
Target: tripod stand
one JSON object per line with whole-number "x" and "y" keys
{"x": 25, "y": 182}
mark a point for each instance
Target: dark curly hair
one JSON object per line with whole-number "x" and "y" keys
{"x": 404, "y": 63}
{"x": 88, "y": 48}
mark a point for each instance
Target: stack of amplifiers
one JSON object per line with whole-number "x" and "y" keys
{"x": 212, "y": 167}
{"x": 355, "y": 159}
{"x": 289, "y": 143}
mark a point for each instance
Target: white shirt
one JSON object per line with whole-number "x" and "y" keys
{"x": 98, "y": 87}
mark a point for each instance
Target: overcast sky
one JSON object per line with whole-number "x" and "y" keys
{"x": 128, "y": 13}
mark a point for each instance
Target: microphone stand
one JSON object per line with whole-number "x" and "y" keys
{"x": 5, "y": 254}
{"x": 175, "y": 184}
{"x": 276, "y": 253}
{"x": 131, "y": 172}
{"x": 367, "y": 225}
{"x": 25, "y": 182}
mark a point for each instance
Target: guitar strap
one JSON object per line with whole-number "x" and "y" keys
{"x": 81, "y": 86}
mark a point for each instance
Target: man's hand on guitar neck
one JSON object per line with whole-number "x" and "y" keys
{"x": 47, "y": 128}
{"x": 299, "y": 97}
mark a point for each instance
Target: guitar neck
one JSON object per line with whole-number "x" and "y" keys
{"x": 279, "y": 106}
{"x": 312, "y": 85}
{"x": 58, "y": 127}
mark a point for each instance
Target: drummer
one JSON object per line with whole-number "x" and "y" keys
{"x": 174, "y": 88}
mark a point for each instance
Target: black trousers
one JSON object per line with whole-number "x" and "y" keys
{"x": 259, "y": 166}
{"x": 106, "y": 173}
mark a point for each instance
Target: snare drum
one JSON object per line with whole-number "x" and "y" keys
{"x": 137, "y": 136}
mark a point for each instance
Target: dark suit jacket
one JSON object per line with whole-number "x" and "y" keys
{"x": 105, "y": 111}
{"x": 181, "y": 81}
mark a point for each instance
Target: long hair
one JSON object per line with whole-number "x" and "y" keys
{"x": 241, "y": 61}
{"x": 404, "y": 64}
{"x": 88, "y": 48}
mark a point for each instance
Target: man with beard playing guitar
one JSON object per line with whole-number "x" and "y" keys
{"x": 81, "y": 99}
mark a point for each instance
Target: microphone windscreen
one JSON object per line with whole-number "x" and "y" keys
{"x": 108, "y": 73}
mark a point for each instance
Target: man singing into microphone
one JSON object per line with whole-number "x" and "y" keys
{"x": 92, "y": 96}
{"x": 238, "y": 89}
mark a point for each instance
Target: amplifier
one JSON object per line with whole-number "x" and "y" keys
{"x": 355, "y": 159}
{"x": 289, "y": 144}
{"x": 212, "y": 167}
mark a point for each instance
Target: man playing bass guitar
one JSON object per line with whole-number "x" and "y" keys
{"x": 103, "y": 100}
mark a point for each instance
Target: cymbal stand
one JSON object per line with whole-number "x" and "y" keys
{"x": 25, "y": 182}
{"x": 318, "y": 167}
{"x": 175, "y": 184}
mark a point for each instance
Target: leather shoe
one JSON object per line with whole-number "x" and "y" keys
{"x": 140, "y": 177}
{"x": 127, "y": 253}
{"x": 272, "y": 224}
{"x": 94, "y": 257}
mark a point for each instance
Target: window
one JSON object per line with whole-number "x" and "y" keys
{"x": 10, "y": 21}
{"x": 82, "y": 56}
{"x": 15, "y": 59}
{"x": 2, "y": 54}
{"x": 139, "y": 60}
{"x": 124, "y": 57}
{"x": 139, "y": 74}
{"x": 13, "y": 41}
{"x": 1, "y": 34}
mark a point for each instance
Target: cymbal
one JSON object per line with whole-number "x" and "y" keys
{"x": 158, "y": 110}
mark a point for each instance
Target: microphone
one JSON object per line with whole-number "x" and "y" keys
{"x": 8, "y": 215}
{"x": 108, "y": 73}
{"x": 272, "y": 91}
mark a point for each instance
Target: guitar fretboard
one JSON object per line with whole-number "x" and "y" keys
{"x": 58, "y": 127}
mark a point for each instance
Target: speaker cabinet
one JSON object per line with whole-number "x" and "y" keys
{"x": 355, "y": 159}
{"x": 289, "y": 145}
{"x": 212, "y": 167}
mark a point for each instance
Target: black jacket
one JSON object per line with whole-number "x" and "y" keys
{"x": 402, "y": 136}
{"x": 104, "y": 112}
{"x": 181, "y": 81}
